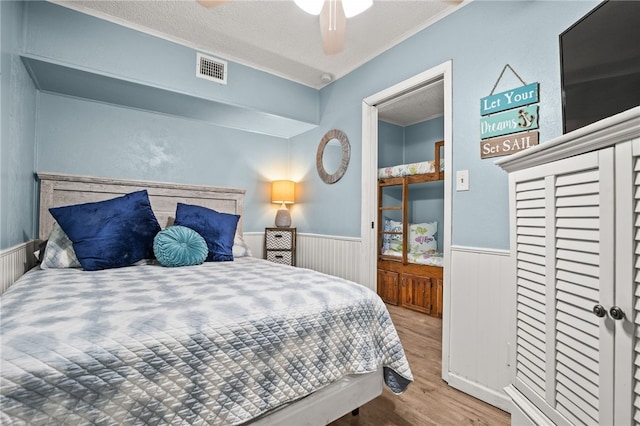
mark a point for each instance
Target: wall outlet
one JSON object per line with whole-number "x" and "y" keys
{"x": 462, "y": 180}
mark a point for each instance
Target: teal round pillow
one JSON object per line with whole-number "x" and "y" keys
{"x": 179, "y": 246}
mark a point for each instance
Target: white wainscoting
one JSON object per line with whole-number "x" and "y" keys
{"x": 338, "y": 256}
{"x": 479, "y": 343}
{"x": 255, "y": 241}
{"x": 14, "y": 262}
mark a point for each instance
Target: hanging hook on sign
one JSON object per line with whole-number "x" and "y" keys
{"x": 500, "y": 77}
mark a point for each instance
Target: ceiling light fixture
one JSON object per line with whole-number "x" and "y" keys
{"x": 351, "y": 7}
{"x": 333, "y": 19}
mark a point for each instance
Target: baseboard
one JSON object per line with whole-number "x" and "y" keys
{"x": 14, "y": 262}
{"x": 490, "y": 396}
{"x": 524, "y": 412}
{"x": 481, "y": 250}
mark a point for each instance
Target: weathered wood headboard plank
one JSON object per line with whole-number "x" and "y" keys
{"x": 57, "y": 189}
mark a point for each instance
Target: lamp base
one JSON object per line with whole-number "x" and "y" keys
{"x": 283, "y": 218}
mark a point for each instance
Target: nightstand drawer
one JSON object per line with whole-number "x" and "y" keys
{"x": 280, "y": 256}
{"x": 279, "y": 239}
{"x": 280, "y": 245}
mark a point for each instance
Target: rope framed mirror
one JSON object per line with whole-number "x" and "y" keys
{"x": 332, "y": 157}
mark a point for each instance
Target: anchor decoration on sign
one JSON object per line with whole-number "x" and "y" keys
{"x": 508, "y": 119}
{"x": 527, "y": 120}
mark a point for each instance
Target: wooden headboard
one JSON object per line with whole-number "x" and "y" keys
{"x": 58, "y": 189}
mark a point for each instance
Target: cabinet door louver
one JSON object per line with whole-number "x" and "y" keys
{"x": 577, "y": 282}
{"x": 531, "y": 294}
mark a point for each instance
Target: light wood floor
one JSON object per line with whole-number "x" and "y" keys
{"x": 428, "y": 400}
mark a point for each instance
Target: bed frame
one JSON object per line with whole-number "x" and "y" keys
{"x": 56, "y": 189}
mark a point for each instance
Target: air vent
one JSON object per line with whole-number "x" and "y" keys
{"x": 211, "y": 69}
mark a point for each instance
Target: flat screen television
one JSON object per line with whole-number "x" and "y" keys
{"x": 600, "y": 64}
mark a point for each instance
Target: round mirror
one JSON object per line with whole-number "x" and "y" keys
{"x": 333, "y": 156}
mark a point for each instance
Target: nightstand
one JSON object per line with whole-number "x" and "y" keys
{"x": 280, "y": 245}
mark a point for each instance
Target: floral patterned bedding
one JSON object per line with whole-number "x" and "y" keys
{"x": 407, "y": 169}
{"x": 410, "y": 169}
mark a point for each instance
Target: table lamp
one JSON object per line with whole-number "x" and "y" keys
{"x": 283, "y": 191}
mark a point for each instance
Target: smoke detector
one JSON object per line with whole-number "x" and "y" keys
{"x": 326, "y": 78}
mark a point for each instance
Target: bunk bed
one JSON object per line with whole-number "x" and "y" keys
{"x": 409, "y": 265}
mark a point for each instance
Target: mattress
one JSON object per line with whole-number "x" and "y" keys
{"x": 421, "y": 258}
{"x": 410, "y": 169}
{"x": 218, "y": 343}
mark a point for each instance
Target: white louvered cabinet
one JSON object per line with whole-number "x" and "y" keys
{"x": 575, "y": 243}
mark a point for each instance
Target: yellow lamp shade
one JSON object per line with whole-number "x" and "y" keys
{"x": 283, "y": 191}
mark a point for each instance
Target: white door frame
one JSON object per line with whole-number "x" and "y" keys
{"x": 369, "y": 185}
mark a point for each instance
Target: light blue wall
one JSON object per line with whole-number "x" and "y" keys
{"x": 479, "y": 39}
{"x": 420, "y": 140}
{"x": 321, "y": 208}
{"x": 17, "y": 134}
{"x": 410, "y": 144}
{"x": 72, "y": 135}
{"x": 89, "y": 138}
{"x": 390, "y": 144}
{"x": 70, "y": 37}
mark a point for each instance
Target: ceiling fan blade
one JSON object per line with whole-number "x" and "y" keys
{"x": 332, "y": 27}
{"x": 211, "y": 3}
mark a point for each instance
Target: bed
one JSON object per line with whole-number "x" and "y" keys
{"x": 412, "y": 169}
{"x": 234, "y": 342}
{"x": 409, "y": 264}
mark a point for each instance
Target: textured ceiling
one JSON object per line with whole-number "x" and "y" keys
{"x": 275, "y": 35}
{"x": 414, "y": 107}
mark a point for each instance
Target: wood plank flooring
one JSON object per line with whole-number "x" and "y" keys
{"x": 428, "y": 400}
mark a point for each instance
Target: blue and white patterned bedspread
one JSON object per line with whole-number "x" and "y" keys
{"x": 219, "y": 343}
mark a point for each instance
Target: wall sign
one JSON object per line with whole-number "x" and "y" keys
{"x": 511, "y": 121}
{"x": 513, "y": 98}
{"x": 508, "y": 119}
{"x": 506, "y": 145}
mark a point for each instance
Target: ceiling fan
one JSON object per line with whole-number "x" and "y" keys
{"x": 333, "y": 18}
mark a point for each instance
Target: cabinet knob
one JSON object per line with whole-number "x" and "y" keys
{"x": 616, "y": 313}
{"x": 600, "y": 311}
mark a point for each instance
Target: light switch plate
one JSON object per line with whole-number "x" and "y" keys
{"x": 462, "y": 180}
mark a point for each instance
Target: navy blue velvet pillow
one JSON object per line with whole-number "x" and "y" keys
{"x": 217, "y": 229}
{"x": 111, "y": 233}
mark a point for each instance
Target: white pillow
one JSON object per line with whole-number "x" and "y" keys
{"x": 423, "y": 237}
{"x": 392, "y": 242}
{"x": 240, "y": 248}
{"x": 59, "y": 252}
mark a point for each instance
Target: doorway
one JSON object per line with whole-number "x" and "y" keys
{"x": 371, "y": 108}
